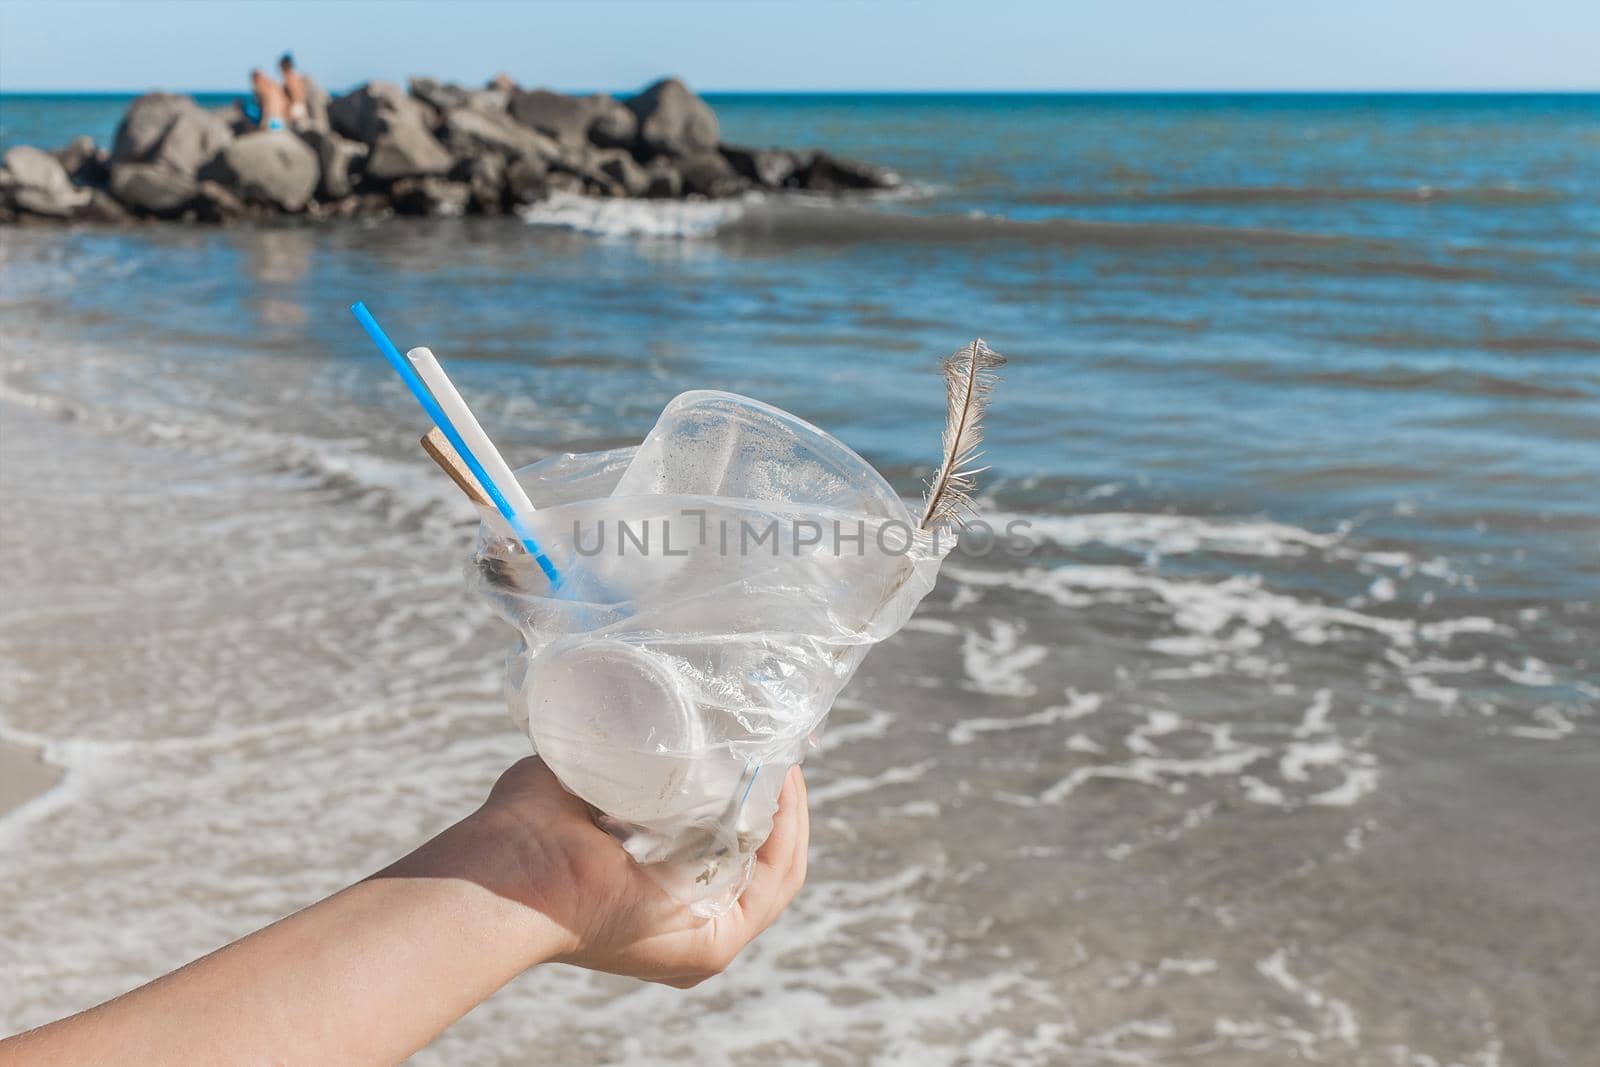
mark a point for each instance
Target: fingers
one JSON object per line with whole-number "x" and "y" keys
{"x": 780, "y": 862}
{"x": 802, "y": 837}
{"x": 778, "y": 849}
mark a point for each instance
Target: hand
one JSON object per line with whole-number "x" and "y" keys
{"x": 618, "y": 919}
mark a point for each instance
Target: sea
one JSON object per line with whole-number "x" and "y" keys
{"x": 1276, "y": 740}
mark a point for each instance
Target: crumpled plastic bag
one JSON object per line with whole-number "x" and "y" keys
{"x": 719, "y": 585}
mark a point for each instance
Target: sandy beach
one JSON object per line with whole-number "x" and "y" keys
{"x": 23, "y": 775}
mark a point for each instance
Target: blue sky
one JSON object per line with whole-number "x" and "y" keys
{"x": 938, "y": 44}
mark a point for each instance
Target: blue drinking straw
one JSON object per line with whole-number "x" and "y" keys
{"x": 419, "y": 390}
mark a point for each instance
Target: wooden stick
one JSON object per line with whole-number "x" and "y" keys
{"x": 438, "y": 447}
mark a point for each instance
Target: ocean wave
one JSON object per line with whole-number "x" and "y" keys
{"x": 1303, "y": 194}
{"x": 794, "y": 220}
{"x": 670, "y": 219}
{"x": 1167, "y": 535}
{"x": 791, "y": 223}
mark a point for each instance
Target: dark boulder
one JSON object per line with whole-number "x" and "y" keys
{"x": 214, "y": 202}
{"x": 579, "y": 165}
{"x": 317, "y": 101}
{"x": 469, "y": 132}
{"x": 360, "y": 205}
{"x": 665, "y": 183}
{"x": 237, "y": 120}
{"x": 85, "y": 162}
{"x": 626, "y": 177}
{"x": 103, "y": 207}
{"x": 359, "y": 114}
{"x": 405, "y": 148}
{"x": 567, "y": 183}
{"x": 612, "y": 124}
{"x": 491, "y": 101}
{"x": 151, "y": 189}
{"x": 171, "y": 130}
{"x": 831, "y": 174}
{"x": 144, "y": 124}
{"x": 271, "y": 167}
{"x": 566, "y": 118}
{"x": 486, "y": 183}
{"x": 442, "y": 96}
{"x": 526, "y": 182}
{"x": 708, "y": 174}
{"x": 339, "y": 160}
{"x": 575, "y": 120}
{"x": 193, "y": 138}
{"x": 770, "y": 168}
{"x": 673, "y": 121}
{"x": 430, "y": 196}
{"x": 39, "y": 185}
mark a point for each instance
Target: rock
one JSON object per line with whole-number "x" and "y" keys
{"x": 437, "y": 149}
{"x": 611, "y": 124}
{"x": 486, "y": 183}
{"x": 582, "y": 163}
{"x": 405, "y": 148}
{"x": 770, "y": 168}
{"x": 317, "y": 101}
{"x": 626, "y": 176}
{"x": 85, "y": 163}
{"x": 169, "y": 129}
{"x": 665, "y": 181}
{"x": 831, "y": 174}
{"x": 151, "y": 188}
{"x": 526, "y": 181}
{"x": 339, "y": 161}
{"x": 39, "y": 184}
{"x": 361, "y": 205}
{"x": 708, "y": 174}
{"x": 430, "y": 196}
{"x": 236, "y": 119}
{"x": 272, "y": 167}
{"x": 144, "y": 124}
{"x": 566, "y": 118}
{"x": 441, "y": 96}
{"x": 470, "y": 132}
{"x": 562, "y": 181}
{"x": 214, "y": 202}
{"x": 103, "y": 207}
{"x": 358, "y": 114}
{"x": 673, "y": 121}
{"x": 575, "y": 120}
{"x": 491, "y": 101}
{"x": 193, "y": 138}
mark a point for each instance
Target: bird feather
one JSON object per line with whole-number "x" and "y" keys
{"x": 970, "y": 376}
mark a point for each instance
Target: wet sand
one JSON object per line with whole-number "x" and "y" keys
{"x": 23, "y": 775}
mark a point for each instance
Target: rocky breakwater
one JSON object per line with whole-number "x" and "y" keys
{"x": 431, "y": 149}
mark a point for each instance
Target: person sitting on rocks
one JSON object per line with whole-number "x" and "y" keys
{"x": 271, "y": 103}
{"x": 294, "y": 87}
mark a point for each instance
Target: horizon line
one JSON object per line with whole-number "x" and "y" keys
{"x": 1256, "y": 91}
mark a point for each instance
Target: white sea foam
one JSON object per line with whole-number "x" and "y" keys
{"x": 1338, "y": 1020}
{"x": 1163, "y": 535}
{"x": 1077, "y": 706}
{"x": 672, "y": 219}
{"x": 997, "y": 664}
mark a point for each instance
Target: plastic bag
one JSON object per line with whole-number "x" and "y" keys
{"x": 719, "y": 586}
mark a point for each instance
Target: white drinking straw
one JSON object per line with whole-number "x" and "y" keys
{"x": 494, "y": 464}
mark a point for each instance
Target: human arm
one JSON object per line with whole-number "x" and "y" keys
{"x": 376, "y": 971}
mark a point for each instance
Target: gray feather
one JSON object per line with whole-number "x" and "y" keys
{"x": 970, "y": 376}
